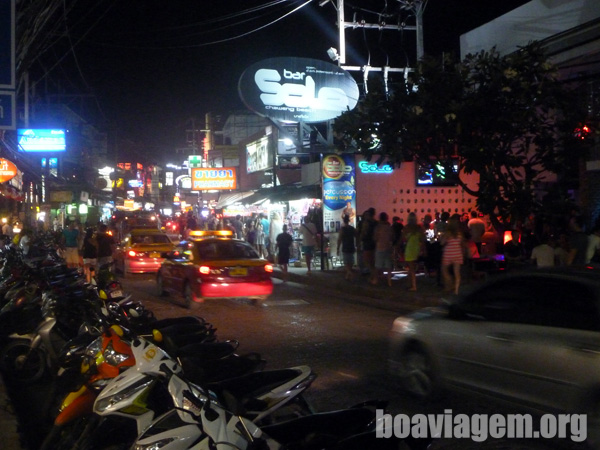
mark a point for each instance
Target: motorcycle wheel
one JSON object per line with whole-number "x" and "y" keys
{"x": 21, "y": 364}
{"x": 66, "y": 436}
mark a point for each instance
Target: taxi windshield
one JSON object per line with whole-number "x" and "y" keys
{"x": 150, "y": 239}
{"x": 217, "y": 249}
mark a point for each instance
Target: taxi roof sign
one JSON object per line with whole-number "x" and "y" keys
{"x": 210, "y": 233}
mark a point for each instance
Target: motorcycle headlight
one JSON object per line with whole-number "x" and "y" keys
{"x": 113, "y": 357}
{"x": 133, "y": 390}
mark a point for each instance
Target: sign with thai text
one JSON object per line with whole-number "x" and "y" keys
{"x": 213, "y": 178}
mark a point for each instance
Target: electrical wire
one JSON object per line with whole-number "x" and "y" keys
{"x": 218, "y": 41}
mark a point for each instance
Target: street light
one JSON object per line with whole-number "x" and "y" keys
{"x": 333, "y": 54}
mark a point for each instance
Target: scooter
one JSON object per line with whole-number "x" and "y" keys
{"x": 201, "y": 423}
{"x": 130, "y": 401}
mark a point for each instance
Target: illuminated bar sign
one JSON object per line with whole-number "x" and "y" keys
{"x": 366, "y": 167}
{"x": 42, "y": 140}
{"x": 213, "y": 178}
{"x": 298, "y": 89}
{"x": 7, "y": 170}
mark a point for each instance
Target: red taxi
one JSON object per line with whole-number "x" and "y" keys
{"x": 211, "y": 264}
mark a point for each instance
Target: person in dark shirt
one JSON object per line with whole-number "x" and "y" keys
{"x": 106, "y": 246}
{"x": 283, "y": 243}
{"x": 513, "y": 250}
{"x": 347, "y": 243}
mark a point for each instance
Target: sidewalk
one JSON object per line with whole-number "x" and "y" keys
{"x": 8, "y": 422}
{"x": 396, "y": 296}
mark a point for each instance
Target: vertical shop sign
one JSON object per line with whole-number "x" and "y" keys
{"x": 339, "y": 191}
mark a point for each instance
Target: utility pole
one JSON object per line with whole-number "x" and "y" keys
{"x": 416, "y": 7}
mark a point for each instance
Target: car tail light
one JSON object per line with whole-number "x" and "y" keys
{"x": 131, "y": 254}
{"x": 269, "y": 268}
{"x": 204, "y": 270}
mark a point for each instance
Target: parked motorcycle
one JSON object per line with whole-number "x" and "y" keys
{"x": 131, "y": 400}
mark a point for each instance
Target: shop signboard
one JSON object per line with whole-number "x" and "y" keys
{"x": 214, "y": 178}
{"x": 7, "y": 170}
{"x": 339, "y": 191}
{"x": 259, "y": 155}
{"x": 42, "y": 140}
{"x": 298, "y": 89}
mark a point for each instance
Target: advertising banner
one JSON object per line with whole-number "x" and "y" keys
{"x": 339, "y": 191}
{"x": 213, "y": 178}
{"x": 258, "y": 155}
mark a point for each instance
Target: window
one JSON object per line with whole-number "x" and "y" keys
{"x": 532, "y": 300}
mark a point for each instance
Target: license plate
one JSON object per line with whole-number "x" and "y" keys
{"x": 238, "y": 271}
{"x": 115, "y": 294}
{"x": 155, "y": 255}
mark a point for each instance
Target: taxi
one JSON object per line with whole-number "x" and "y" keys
{"x": 142, "y": 250}
{"x": 212, "y": 264}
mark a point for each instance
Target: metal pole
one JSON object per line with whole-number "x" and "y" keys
{"x": 342, "y": 32}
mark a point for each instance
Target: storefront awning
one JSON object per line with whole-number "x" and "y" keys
{"x": 229, "y": 198}
{"x": 290, "y": 193}
{"x": 285, "y": 193}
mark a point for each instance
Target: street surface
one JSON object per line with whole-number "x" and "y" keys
{"x": 340, "y": 333}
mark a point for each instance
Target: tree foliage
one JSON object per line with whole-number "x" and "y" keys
{"x": 510, "y": 119}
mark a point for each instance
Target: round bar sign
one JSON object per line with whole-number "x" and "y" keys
{"x": 7, "y": 170}
{"x": 298, "y": 89}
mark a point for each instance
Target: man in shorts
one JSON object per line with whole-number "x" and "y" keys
{"x": 71, "y": 243}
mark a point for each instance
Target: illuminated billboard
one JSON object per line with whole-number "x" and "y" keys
{"x": 42, "y": 140}
{"x": 213, "y": 178}
{"x": 298, "y": 89}
{"x": 258, "y": 156}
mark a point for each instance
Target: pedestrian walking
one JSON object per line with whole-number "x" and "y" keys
{"x": 452, "y": 255}
{"x": 89, "y": 252}
{"x": 283, "y": 244}
{"x": 347, "y": 243}
{"x": 413, "y": 237}
{"x": 70, "y": 241}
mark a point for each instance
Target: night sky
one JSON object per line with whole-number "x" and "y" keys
{"x": 151, "y": 67}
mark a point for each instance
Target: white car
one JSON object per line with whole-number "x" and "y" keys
{"x": 532, "y": 338}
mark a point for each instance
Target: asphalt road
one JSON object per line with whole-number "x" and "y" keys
{"x": 340, "y": 332}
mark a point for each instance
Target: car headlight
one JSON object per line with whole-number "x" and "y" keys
{"x": 136, "y": 388}
{"x": 403, "y": 325}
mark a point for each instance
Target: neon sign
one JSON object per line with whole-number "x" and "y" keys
{"x": 213, "y": 178}
{"x": 366, "y": 167}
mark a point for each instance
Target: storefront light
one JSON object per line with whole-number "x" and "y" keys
{"x": 83, "y": 209}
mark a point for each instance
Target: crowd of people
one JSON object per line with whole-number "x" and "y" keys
{"x": 82, "y": 247}
{"x": 453, "y": 246}
{"x": 447, "y": 246}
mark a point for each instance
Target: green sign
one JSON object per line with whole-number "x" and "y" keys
{"x": 194, "y": 161}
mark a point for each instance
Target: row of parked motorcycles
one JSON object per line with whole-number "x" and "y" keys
{"x": 123, "y": 379}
